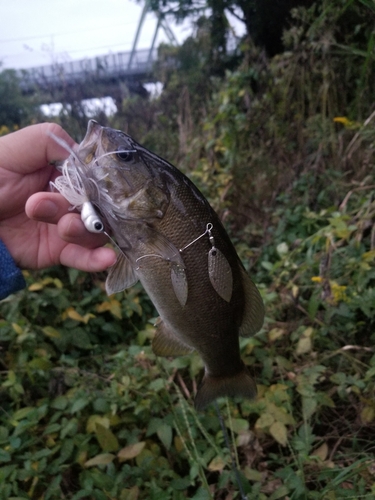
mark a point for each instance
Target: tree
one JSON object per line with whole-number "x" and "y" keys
{"x": 16, "y": 109}
{"x": 264, "y": 20}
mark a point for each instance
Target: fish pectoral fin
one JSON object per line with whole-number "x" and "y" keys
{"x": 165, "y": 343}
{"x": 120, "y": 276}
{"x": 240, "y": 384}
{"x": 158, "y": 244}
{"x": 253, "y": 315}
{"x": 220, "y": 274}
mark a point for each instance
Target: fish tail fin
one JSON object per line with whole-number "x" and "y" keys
{"x": 240, "y": 384}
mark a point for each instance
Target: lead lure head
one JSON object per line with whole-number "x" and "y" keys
{"x": 91, "y": 219}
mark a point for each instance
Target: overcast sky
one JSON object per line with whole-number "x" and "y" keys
{"x": 38, "y": 32}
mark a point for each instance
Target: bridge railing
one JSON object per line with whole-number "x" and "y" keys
{"x": 110, "y": 66}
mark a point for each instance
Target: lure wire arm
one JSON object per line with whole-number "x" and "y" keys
{"x": 208, "y": 231}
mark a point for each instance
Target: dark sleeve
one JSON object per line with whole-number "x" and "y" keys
{"x": 11, "y": 279}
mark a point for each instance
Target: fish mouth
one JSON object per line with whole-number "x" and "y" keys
{"x": 93, "y": 133}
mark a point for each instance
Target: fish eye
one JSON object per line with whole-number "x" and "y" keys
{"x": 125, "y": 155}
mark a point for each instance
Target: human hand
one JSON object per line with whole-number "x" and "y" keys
{"x": 35, "y": 224}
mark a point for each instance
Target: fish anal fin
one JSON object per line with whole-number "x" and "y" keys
{"x": 120, "y": 276}
{"x": 165, "y": 343}
{"x": 240, "y": 384}
{"x": 253, "y": 315}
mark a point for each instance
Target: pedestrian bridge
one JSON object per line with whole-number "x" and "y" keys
{"x": 95, "y": 77}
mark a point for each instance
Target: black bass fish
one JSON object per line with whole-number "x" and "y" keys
{"x": 172, "y": 241}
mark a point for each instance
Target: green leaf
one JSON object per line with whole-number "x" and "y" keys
{"x": 157, "y": 385}
{"x": 281, "y": 492}
{"x": 146, "y": 459}
{"x": 5, "y": 471}
{"x": 101, "y": 405}
{"x": 81, "y": 339}
{"x": 4, "y": 433}
{"x": 51, "y": 332}
{"x": 73, "y": 275}
{"x": 66, "y": 450}
{"x": 238, "y": 424}
{"x": 79, "y": 404}
{"x": 304, "y": 345}
{"x": 267, "y": 265}
{"x": 94, "y": 420}
{"x": 202, "y": 494}
{"x": 107, "y": 440}
{"x": 216, "y": 464}
{"x": 309, "y": 405}
{"x": 153, "y": 426}
{"x": 194, "y": 471}
{"x": 164, "y": 433}
{"x": 264, "y": 421}
{"x": 50, "y": 429}
{"x": 101, "y": 480}
{"x": 279, "y": 432}
{"x": 23, "y": 413}
{"x": 69, "y": 428}
{"x": 60, "y": 403}
{"x": 313, "y": 305}
{"x": 303, "y": 440}
{"x": 40, "y": 364}
{"x": 15, "y": 442}
{"x": 180, "y": 483}
{"x": 129, "y": 493}
{"x": 4, "y": 456}
{"x": 252, "y": 474}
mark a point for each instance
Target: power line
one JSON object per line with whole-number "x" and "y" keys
{"x": 25, "y": 38}
{"x": 68, "y": 51}
{"x": 97, "y": 48}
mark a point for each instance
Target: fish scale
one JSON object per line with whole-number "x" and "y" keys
{"x": 170, "y": 239}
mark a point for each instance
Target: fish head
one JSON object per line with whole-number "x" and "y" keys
{"x": 122, "y": 182}
{"x": 104, "y": 149}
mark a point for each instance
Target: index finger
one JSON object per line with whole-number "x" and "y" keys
{"x": 32, "y": 148}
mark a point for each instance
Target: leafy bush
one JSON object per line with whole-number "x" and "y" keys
{"x": 284, "y": 150}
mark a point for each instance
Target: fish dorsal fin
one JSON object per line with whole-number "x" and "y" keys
{"x": 165, "y": 342}
{"x": 120, "y": 276}
{"x": 179, "y": 283}
{"x": 253, "y": 315}
{"x": 220, "y": 273}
